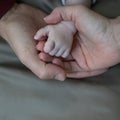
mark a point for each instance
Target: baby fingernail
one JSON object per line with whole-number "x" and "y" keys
{"x": 35, "y": 37}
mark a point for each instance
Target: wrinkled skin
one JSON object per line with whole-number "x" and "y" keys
{"x": 18, "y": 27}
{"x": 96, "y": 48}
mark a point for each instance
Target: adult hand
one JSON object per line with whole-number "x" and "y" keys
{"x": 96, "y": 47}
{"x": 18, "y": 27}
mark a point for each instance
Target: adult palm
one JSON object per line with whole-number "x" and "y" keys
{"x": 18, "y": 27}
{"x": 95, "y": 47}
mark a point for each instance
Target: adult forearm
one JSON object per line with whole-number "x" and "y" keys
{"x": 5, "y": 6}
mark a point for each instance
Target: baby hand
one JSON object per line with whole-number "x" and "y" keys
{"x": 59, "y": 39}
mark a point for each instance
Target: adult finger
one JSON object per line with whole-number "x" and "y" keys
{"x": 43, "y": 70}
{"x": 64, "y": 13}
{"x": 85, "y": 74}
{"x": 75, "y": 71}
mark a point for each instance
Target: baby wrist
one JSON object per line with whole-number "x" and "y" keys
{"x": 69, "y": 25}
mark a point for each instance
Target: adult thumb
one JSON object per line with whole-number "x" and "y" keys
{"x": 67, "y": 13}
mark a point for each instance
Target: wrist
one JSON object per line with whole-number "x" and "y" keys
{"x": 5, "y": 20}
{"x": 116, "y": 32}
{"x": 69, "y": 25}
{"x": 5, "y": 5}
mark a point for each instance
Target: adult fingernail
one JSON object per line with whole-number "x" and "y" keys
{"x": 47, "y": 18}
{"x": 60, "y": 78}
